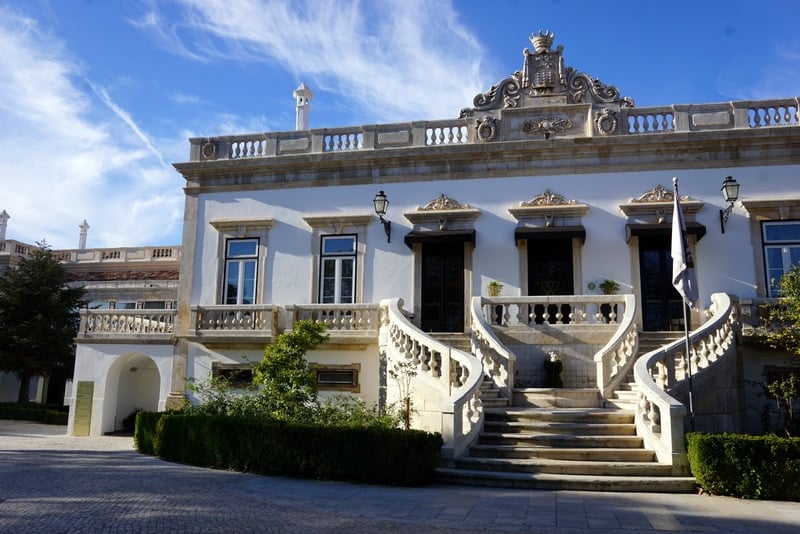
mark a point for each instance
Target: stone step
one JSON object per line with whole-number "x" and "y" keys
{"x": 494, "y": 402}
{"x": 563, "y": 415}
{"x": 559, "y": 440}
{"x": 550, "y": 481}
{"x": 606, "y": 454}
{"x": 557, "y": 398}
{"x": 550, "y": 427}
{"x": 619, "y": 404}
{"x": 567, "y": 467}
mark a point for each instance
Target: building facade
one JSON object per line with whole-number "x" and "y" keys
{"x": 549, "y": 188}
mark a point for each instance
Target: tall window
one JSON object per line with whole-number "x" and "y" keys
{"x": 781, "y": 251}
{"x": 241, "y": 270}
{"x": 337, "y": 269}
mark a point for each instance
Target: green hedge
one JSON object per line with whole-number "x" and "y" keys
{"x": 753, "y": 467}
{"x": 373, "y": 455}
{"x": 51, "y": 414}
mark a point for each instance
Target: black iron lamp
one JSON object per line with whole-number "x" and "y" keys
{"x": 381, "y": 204}
{"x": 730, "y": 192}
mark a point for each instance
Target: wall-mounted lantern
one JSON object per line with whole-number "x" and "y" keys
{"x": 381, "y": 203}
{"x": 730, "y": 192}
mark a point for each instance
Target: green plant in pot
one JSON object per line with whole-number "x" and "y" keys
{"x": 494, "y": 288}
{"x": 609, "y": 287}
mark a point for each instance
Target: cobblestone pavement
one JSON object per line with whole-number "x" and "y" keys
{"x": 52, "y": 483}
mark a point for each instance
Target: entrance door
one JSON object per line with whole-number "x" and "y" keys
{"x": 550, "y": 272}
{"x": 442, "y": 287}
{"x": 661, "y": 302}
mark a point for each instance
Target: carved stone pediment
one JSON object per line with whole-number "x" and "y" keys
{"x": 545, "y": 80}
{"x": 655, "y": 206}
{"x": 443, "y": 212}
{"x": 548, "y": 206}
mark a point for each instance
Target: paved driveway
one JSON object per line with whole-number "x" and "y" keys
{"x": 50, "y": 482}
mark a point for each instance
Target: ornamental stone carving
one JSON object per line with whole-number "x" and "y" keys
{"x": 546, "y": 126}
{"x": 486, "y": 129}
{"x": 658, "y": 194}
{"x": 605, "y": 122}
{"x": 209, "y": 150}
{"x": 548, "y": 198}
{"x": 543, "y": 76}
{"x": 442, "y": 202}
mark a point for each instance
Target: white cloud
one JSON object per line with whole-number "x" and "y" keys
{"x": 61, "y": 164}
{"x": 400, "y": 59}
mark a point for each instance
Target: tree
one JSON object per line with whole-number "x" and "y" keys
{"x": 783, "y": 332}
{"x": 287, "y": 383}
{"x": 785, "y": 318}
{"x": 39, "y": 319}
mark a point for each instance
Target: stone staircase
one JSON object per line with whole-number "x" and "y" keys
{"x": 626, "y": 395}
{"x": 566, "y": 440}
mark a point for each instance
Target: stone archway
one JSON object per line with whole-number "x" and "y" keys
{"x": 133, "y": 383}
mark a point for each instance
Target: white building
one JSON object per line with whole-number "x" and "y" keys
{"x": 550, "y": 183}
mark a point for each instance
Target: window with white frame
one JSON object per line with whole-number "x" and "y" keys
{"x": 781, "y": 251}
{"x": 241, "y": 271}
{"x": 337, "y": 269}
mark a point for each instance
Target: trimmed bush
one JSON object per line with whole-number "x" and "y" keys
{"x": 51, "y": 414}
{"x": 359, "y": 454}
{"x": 753, "y": 467}
{"x": 145, "y": 434}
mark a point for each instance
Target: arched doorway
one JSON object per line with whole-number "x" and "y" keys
{"x": 133, "y": 384}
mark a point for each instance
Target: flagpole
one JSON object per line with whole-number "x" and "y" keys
{"x": 683, "y": 279}
{"x": 688, "y": 365}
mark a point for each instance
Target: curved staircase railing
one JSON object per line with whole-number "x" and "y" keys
{"x": 618, "y": 355}
{"x": 446, "y": 384}
{"x": 660, "y": 417}
{"x": 497, "y": 360}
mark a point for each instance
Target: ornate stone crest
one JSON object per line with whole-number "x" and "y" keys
{"x": 442, "y": 202}
{"x": 543, "y": 74}
{"x": 548, "y": 198}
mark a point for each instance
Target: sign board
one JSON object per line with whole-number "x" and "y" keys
{"x": 83, "y": 408}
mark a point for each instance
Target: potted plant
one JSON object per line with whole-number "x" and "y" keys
{"x": 609, "y": 287}
{"x": 493, "y": 289}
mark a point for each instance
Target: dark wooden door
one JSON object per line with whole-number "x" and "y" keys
{"x": 442, "y": 288}
{"x": 550, "y": 272}
{"x": 661, "y": 302}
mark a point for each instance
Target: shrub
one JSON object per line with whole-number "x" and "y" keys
{"x": 753, "y": 467}
{"x": 51, "y": 414}
{"x": 362, "y": 454}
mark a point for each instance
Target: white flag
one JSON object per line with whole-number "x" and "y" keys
{"x": 683, "y": 277}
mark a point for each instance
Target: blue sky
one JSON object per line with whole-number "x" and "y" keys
{"x": 99, "y": 97}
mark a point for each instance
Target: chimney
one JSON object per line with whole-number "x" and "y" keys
{"x": 82, "y": 240}
{"x": 303, "y": 95}
{"x": 4, "y": 217}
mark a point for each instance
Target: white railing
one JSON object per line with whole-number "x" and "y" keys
{"x": 659, "y": 416}
{"x": 234, "y": 320}
{"x": 677, "y": 118}
{"x": 648, "y": 120}
{"x": 618, "y": 355}
{"x": 345, "y": 318}
{"x": 563, "y": 309}
{"x": 446, "y": 386}
{"x": 125, "y": 323}
{"x": 497, "y": 360}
